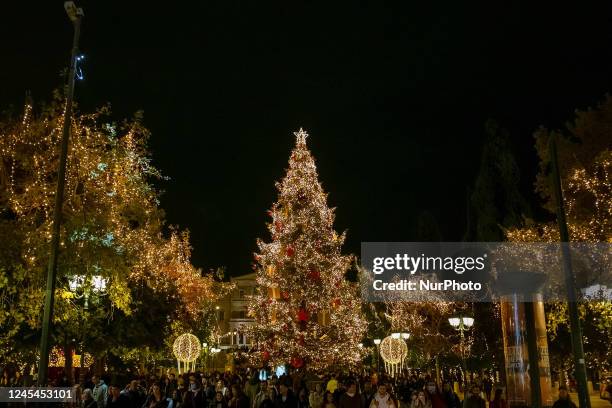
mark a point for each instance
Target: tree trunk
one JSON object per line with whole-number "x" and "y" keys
{"x": 68, "y": 368}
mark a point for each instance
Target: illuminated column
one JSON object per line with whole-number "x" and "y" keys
{"x": 524, "y": 329}
{"x": 543, "y": 361}
{"x": 515, "y": 351}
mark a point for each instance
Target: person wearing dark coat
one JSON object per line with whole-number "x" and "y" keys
{"x": 564, "y": 400}
{"x": 218, "y": 401}
{"x": 194, "y": 397}
{"x": 473, "y": 399}
{"x": 239, "y": 398}
{"x": 285, "y": 398}
{"x": 116, "y": 399}
{"x": 351, "y": 398}
{"x": 88, "y": 401}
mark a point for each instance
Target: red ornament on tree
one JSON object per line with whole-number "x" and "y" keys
{"x": 265, "y": 355}
{"x": 303, "y": 315}
{"x": 297, "y": 362}
{"x": 284, "y": 295}
{"x": 314, "y": 274}
{"x": 278, "y": 226}
{"x": 290, "y": 251}
{"x": 336, "y": 303}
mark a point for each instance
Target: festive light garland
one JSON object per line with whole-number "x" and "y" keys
{"x": 113, "y": 226}
{"x": 306, "y": 313}
{"x": 186, "y": 349}
{"x": 393, "y": 352}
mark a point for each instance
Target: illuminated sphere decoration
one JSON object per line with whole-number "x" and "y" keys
{"x": 186, "y": 349}
{"x": 393, "y": 352}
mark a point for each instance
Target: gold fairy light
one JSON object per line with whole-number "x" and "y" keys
{"x": 306, "y": 313}
{"x": 112, "y": 221}
{"x": 186, "y": 349}
{"x": 393, "y": 352}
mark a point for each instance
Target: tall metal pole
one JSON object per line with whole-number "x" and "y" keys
{"x": 465, "y": 379}
{"x": 57, "y": 212}
{"x": 377, "y": 360}
{"x": 570, "y": 282}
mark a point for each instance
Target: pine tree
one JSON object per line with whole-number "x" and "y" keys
{"x": 306, "y": 312}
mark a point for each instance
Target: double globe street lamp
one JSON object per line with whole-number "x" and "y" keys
{"x": 462, "y": 324}
{"x": 83, "y": 287}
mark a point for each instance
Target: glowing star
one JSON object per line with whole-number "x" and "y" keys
{"x": 301, "y": 136}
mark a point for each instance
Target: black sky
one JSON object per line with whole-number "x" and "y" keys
{"x": 394, "y": 96}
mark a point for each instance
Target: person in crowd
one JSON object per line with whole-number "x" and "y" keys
{"x": 218, "y": 401}
{"x": 174, "y": 400}
{"x": 252, "y": 388}
{"x": 450, "y": 397}
{"x": 155, "y": 399}
{"x": 487, "y": 386}
{"x": 170, "y": 384}
{"x": 21, "y": 381}
{"x": 473, "y": 399}
{"x": 221, "y": 387}
{"x": 87, "y": 399}
{"x": 270, "y": 398}
{"x": 134, "y": 394}
{"x": 382, "y": 398}
{"x": 564, "y": 400}
{"x": 498, "y": 400}
{"x": 100, "y": 391}
{"x": 286, "y": 398}
{"x": 63, "y": 380}
{"x": 6, "y": 379}
{"x": 303, "y": 398}
{"x": 210, "y": 389}
{"x": 328, "y": 400}
{"x": 351, "y": 397}
{"x": 332, "y": 384}
{"x": 261, "y": 394}
{"x": 434, "y": 395}
{"x": 421, "y": 401}
{"x": 239, "y": 398}
{"x": 116, "y": 399}
{"x": 194, "y": 397}
{"x": 315, "y": 398}
{"x": 413, "y": 396}
{"x": 368, "y": 393}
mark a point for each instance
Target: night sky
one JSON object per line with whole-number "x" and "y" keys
{"x": 394, "y": 96}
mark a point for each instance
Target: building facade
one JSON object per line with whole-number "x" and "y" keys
{"x": 232, "y": 313}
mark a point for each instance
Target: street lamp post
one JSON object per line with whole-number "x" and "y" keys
{"x": 570, "y": 281}
{"x": 75, "y": 14}
{"x": 205, "y": 348}
{"x": 80, "y": 287}
{"x": 401, "y": 335}
{"x": 462, "y": 324}
{"x": 377, "y": 343}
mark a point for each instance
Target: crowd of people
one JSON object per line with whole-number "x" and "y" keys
{"x": 249, "y": 389}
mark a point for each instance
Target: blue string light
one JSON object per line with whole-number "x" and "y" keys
{"x": 79, "y": 71}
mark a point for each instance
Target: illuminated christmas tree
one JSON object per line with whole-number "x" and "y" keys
{"x": 306, "y": 312}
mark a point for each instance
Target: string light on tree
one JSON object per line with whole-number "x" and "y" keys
{"x": 186, "y": 349}
{"x": 393, "y": 350}
{"x": 306, "y": 313}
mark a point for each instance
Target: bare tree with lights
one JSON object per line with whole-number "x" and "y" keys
{"x": 306, "y": 312}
